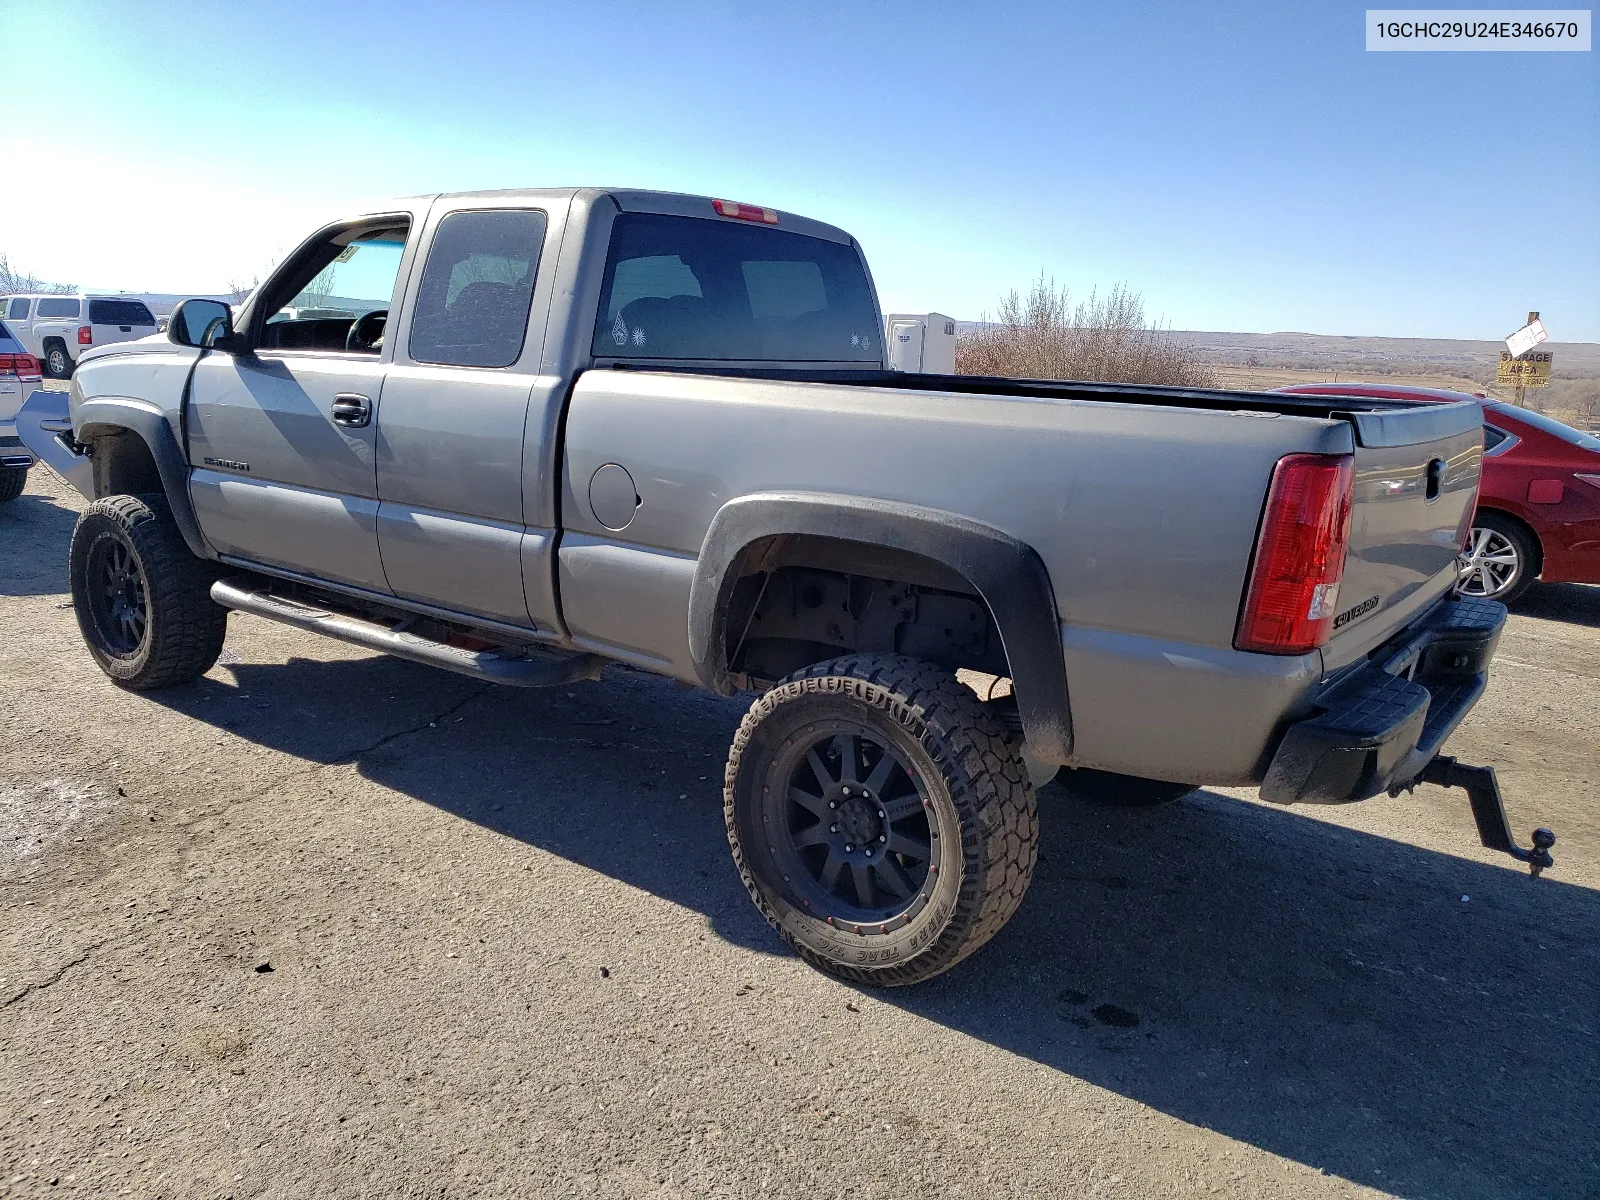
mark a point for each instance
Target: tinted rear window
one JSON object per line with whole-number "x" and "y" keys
{"x": 8, "y": 343}
{"x": 1573, "y": 437}
{"x": 56, "y": 308}
{"x": 705, "y": 288}
{"x": 119, "y": 312}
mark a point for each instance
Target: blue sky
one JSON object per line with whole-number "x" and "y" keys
{"x": 1245, "y": 168}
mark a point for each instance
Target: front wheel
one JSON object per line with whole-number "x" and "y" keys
{"x": 879, "y": 818}
{"x": 143, "y": 600}
{"x": 1500, "y": 561}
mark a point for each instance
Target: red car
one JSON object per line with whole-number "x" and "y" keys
{"x": 1539, "y": 504}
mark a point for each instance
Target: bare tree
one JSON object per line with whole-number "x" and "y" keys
{"x": 1044, "y": 335}
{"x": 317, "y": 293}
{"x": 12, "y": 280}
{"x": 238, "y": 293}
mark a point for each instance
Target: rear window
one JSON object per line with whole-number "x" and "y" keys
{"x": 8, "y": 343}
{"x": 119, "y": 312}
{"x": 703, "y": 288}
{"x": 56, "y": 308}
{"x": 1573, "y": 437}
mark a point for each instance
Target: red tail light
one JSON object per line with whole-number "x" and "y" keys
{"x": 1294, "y": 581}
{"x": 24, "y": 365}
{"x": 745, "y": 212}
{"x": 85, "y": 336}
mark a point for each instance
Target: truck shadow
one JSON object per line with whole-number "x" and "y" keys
{"x": 1401, "y": 1018}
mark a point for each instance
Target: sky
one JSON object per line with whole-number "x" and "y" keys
{"x": 1246, "y": 168}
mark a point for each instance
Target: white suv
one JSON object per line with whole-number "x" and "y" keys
{"x": 57, "y": 329}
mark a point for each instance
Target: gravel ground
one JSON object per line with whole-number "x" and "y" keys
{"x": 328, "y": 924}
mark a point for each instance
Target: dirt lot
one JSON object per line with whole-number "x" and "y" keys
{"x": 326, "y": 924}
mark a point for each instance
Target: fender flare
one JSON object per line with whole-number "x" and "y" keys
{"x": 124, "y": 415}
{"x": 1008, "y": 575}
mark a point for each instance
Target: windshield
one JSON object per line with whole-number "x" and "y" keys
{"x": 119, "y": 312}
{"x": 1573, "y": 437}
{"x": 703, "y": 288}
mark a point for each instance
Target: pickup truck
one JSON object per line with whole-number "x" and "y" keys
{"x": 58, "y": 329}
{"x": 580, "y": 427}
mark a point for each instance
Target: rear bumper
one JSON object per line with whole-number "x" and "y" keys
{"x": 12, "y": 452}
{"x": 1377, "y": 727}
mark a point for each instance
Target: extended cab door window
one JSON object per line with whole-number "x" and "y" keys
{"x": 472, "y": 303}
{"x": 451, "y": 522}
{"x": 19, "y": 309}
{"x": 57, "y": 308}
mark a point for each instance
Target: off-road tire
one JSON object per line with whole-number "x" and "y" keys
{"x": 12, "y": 481}
{"x": 1120, "y": 791}
{"x": 968, "y": 776}
{"x": 50, "y": 369}
{"x": 183, "y": 628}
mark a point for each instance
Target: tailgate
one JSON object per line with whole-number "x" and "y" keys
{"x": 1416, "y": 484}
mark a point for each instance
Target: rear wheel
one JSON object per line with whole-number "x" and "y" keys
{"x": 879, "y": 817}
{"x": 1120, "y": 791}
{"x": 12, "y": 481}
{"x": 1501, "y": 560}
{"x": 143, "y": 600}
{"x": 57, "y": 362}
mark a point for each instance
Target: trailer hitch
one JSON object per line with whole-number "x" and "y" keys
{"x": 1488, "y": 809}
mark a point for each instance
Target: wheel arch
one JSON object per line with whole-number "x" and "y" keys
{"x": 1006, "y": 574}
{"x": 133, "y": 449}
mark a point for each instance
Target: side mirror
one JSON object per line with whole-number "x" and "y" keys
{"x": 207, "y": 324}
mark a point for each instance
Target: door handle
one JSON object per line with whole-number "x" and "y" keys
{"x": 351, "y": 410}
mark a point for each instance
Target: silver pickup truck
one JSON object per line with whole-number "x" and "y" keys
{"x": 541, "y": 431}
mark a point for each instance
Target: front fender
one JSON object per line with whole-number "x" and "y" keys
{"x": 1007, "y": 574}
{"x": 108, "y": 415}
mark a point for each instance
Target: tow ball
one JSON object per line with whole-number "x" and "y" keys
{"x": 1488, "y": 809}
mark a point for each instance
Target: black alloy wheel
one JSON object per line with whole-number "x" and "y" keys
{"x": 853, "y": 827}
{"x": 118, "y": 596}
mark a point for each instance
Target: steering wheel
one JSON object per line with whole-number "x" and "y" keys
{"x": 366, "y": 331}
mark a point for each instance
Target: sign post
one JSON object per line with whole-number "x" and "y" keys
{"x": 1520, "y": 368}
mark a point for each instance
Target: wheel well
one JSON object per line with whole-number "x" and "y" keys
{"x": 799, "y": 599}
{"x": 123, "y": 465}
{"x": 1533, "y": 535}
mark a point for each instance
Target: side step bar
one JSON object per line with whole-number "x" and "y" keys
{"x": 541, "y": 667}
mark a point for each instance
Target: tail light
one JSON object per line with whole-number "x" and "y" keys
{"x": 29, "y": 367}
{"x": 85, "y": 335}
{"x": 9, "y": 365}
{"x": 1305, "y": 532}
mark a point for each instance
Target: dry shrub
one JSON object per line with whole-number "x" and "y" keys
{"x": 1043, "y": 335}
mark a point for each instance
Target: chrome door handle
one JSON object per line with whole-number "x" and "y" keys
{"x": 351, "y": 410}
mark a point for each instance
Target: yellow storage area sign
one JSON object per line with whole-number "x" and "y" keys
{"x": 1532, "y": 370}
